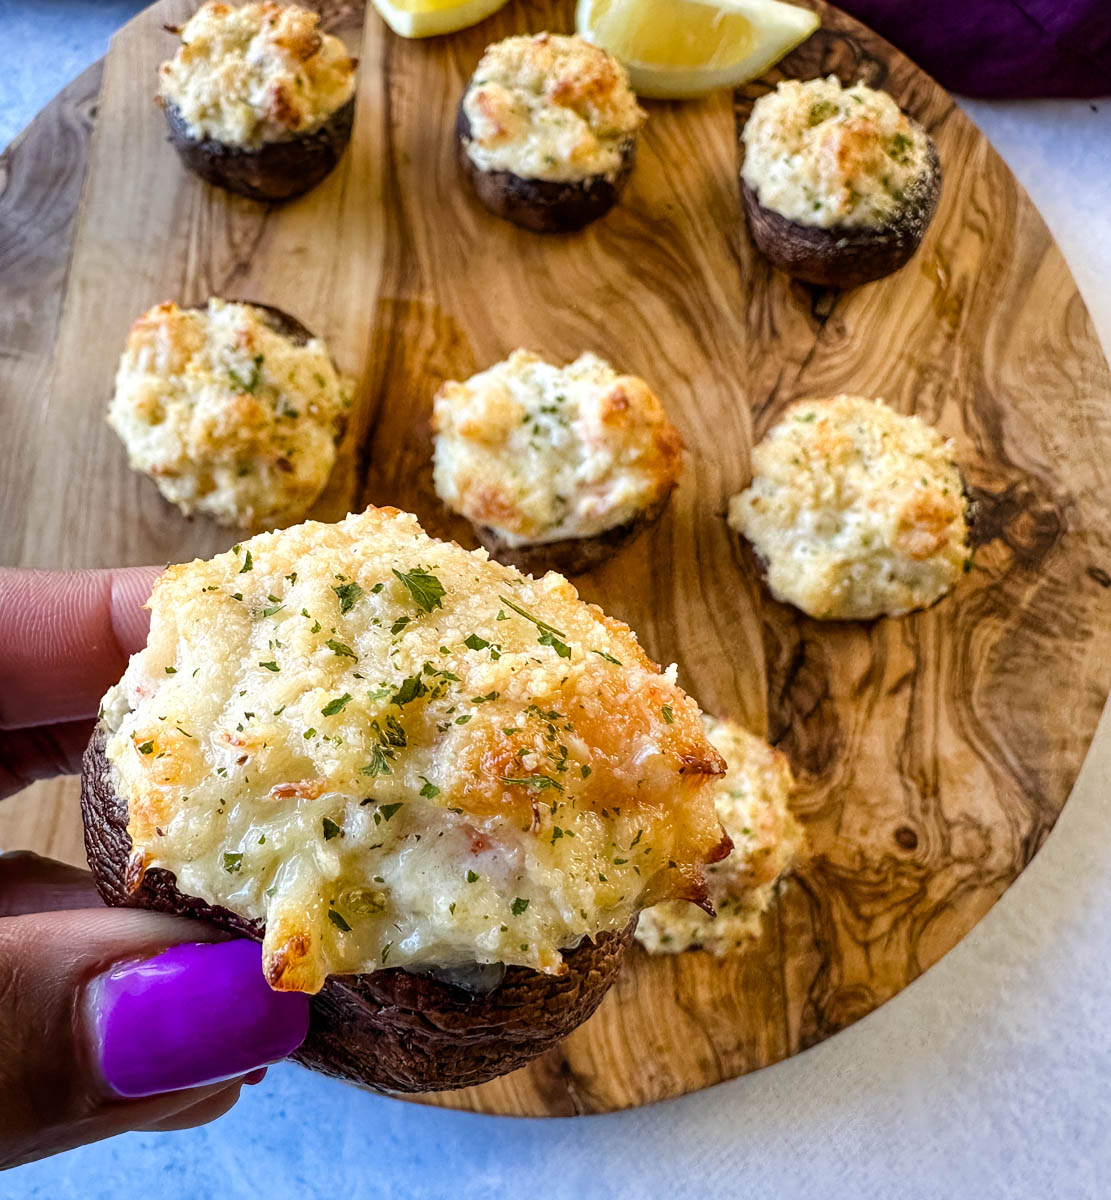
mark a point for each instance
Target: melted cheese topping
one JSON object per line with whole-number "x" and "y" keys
{"x": 227, "y": 416}
{"x": 396, "y": 752}
{"x": 257, "y": 73}
{"x": 819, "y": 154}
{"x": 538, "y": 453}
{"x": 550, "y": 107}
{"x": 752, "y": 801}
{"x": 855, "y": 510}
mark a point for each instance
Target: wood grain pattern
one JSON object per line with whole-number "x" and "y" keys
{"x": 935, "y": 752}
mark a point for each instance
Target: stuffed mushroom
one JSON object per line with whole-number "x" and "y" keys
{"x": 546, "y": 131}
{"x": 753, "y": 801}
{"x": 839, "y": 184}
{"x": 234, "y": 410}
{"x": 257, "y": 99}
{"x": 438, "y": 791}
{"x": 555, "y": 467}
{"x": 855, "y": 511}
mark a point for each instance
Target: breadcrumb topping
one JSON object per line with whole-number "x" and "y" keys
{"x": 228, "y": 416}
{"x": 752, "y": 800}
{"x": 855, "y": 510}
{"x": 538, "y": 453}
{"x": 820, "y": 154}
{"x": 397, "y": 752}
{"x": 550, "y": 107}
{"x": 256, "y": 73}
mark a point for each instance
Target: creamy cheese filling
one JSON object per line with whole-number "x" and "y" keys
{"x": 550, "y": 107}
{"x": 396, "y": 752}
{"x": 539, "y": 453}
{"x": 229, "y": 417}
{"x": 256, "y": 73}
{"x": 856, "y": 510}
{"x": 823, "y": 155}
{"x": 752, "y": 800}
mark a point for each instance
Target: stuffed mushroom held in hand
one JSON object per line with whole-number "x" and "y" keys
{"x": 438, "y": 791}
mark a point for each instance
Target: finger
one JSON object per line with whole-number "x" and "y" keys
{"x": 32, "y": 884}
{"x": 65, "y": 636}
{"x": 200, "y": 1113}
{"x": 103, "y": 1030}
{"x": 41, "y": 753}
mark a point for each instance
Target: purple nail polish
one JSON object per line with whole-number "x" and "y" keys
{"x": 192, "y": 1015}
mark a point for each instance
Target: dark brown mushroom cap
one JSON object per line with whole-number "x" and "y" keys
{"x": 571, "y": 556}
{"x": 390, "y": 1030}
{"x": 846, "y": 256}
{"x": 542, "y": 205}
{"x": 276, "y": 170}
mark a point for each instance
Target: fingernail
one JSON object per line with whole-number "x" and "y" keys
{"x": 192, "y": 1015}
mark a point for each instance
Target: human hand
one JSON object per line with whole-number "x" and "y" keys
{"x": 102, "y": 1028}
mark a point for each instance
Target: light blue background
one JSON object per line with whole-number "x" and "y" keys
{"x": 990, "y": 1077}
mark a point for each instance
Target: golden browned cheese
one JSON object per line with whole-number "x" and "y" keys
{"x": 229, "y": 417}
{"x": 752, "y": 799}
{"x": 550, "y": 107}
{"x": 398, "y": 752}
{"x": 253, "y": 73}
{"x": 539, "y": 452}
{"x": 856, "y": 511}
{"x": 823, "y": 155}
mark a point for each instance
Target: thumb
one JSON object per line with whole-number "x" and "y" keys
{"x": 103, "y": 1029}
{"x": 64, "y": 637}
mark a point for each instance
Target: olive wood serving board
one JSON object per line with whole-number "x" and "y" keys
{"x": 934, "y": 753}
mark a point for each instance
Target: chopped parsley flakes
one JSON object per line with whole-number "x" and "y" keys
{"x": 424, "y": 587}
{"x": 340, "y": 649}
{"x": 548, "y": 634}
{"x": 348, "y": 594}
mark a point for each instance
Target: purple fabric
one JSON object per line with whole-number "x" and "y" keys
{"x": 1001, "y": 48}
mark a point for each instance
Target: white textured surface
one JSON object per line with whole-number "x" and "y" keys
{"x": 989, "y": 1077}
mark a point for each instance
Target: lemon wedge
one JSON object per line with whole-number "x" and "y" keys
{"x": 427, "y": 18}
{"x": 675, "y": 49}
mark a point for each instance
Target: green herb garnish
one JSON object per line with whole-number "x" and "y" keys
{"x": 424, "y": 587}
{"x": 412, "y": 688}
{"x": 347, "y": 593}
{"x": 336, "y": 705}
{"x": 378, "y": 764}
{"x": 539, "y": 783}
{"x": 549, "y": 635}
